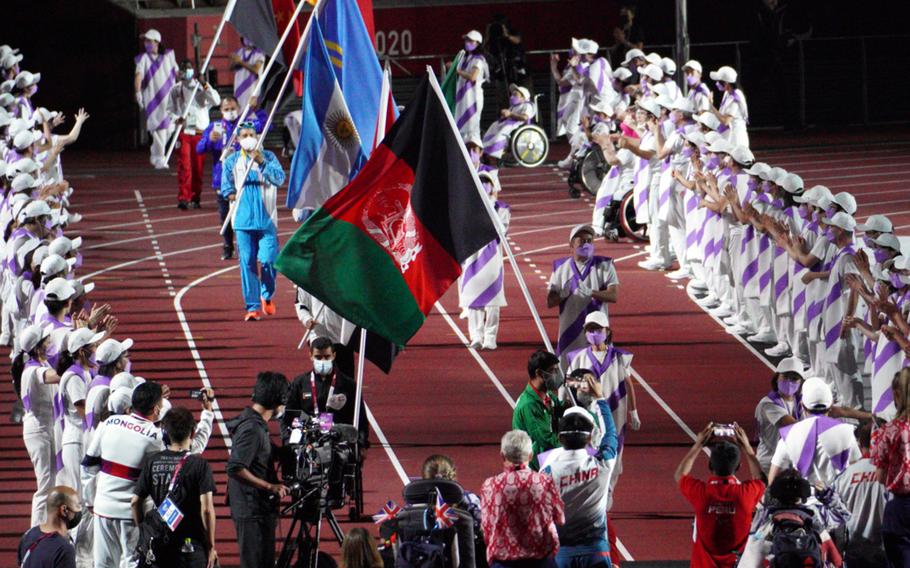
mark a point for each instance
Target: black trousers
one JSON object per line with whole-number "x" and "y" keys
{"x": 198, "y": 557}
{"x": 256, "y": 538}
{"x": 223, "y": 207}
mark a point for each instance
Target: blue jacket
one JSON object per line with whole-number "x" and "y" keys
{"x": 251, "y": 213}
{"x": 215, "y": 148}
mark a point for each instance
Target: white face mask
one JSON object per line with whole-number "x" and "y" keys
{"x": 248, "y": 143}
{"x": 322, "y": 367}
{"x": 230, "y": 115}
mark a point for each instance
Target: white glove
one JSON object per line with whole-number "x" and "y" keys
{"x": 297, "y": 213}
{"x": 634, "y": 420}
{"x": 584, "y": 290}
{"x": 336, "y": 401}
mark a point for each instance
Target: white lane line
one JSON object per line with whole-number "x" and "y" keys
{"x": 850, "y": 168}
{"x": 901, "y": 172}
{"x": 125, "y": 200}
{"x": 154, "y": 241}
{"x": 663, "y": 404}
{"x": 213, "y": 228}
{"x": 145, "y": 216}
{"x": 120, "y": 211}
{"x": 402, "y": 475}
{"x": 879, "y": 148}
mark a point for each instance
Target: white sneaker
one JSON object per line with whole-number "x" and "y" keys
{"x": 763, "y": 336}
{"x": 489, "y": 344}
{"x": 4, "y": 339}
{"x": 650, "y": 264}
{"x": 708, "y": 301}
{"x": 476, "y": 344}
{"x": 738, "y": 330}
{"x": 696, "y": 284}
{"x": 721, "y": 311}
{"x": 74, "y": 218}
{"x": 778, "y": 350}
{"x": 565, "y": 163}
{"x": 731, "y": 320}
{"x": 678, "y": 274}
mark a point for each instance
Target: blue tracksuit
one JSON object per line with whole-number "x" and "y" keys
{"x": 215, "y": 148}
{"x": 257, "y": 236}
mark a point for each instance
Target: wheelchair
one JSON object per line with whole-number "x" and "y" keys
{"x": 528, "y": 144}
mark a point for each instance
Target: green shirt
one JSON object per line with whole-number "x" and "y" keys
{"x": 535, "y": 418}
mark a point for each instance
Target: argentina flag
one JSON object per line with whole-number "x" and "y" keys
{"x": 330, "y": 151}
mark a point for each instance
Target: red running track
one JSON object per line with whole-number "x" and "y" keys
{"x": 160, "y": 269}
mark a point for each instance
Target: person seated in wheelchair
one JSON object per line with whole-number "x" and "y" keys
{"x": 614, "y": 186}
{"x": 522, "y": 110}
{"x": 596, "y": 121}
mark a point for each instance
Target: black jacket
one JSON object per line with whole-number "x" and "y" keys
{"x": 300, "y": 398}
{"x": 253, "y": 450}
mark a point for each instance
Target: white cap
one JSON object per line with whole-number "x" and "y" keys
{"x": 124, "y": 379}
{"x": 693, "y": 65}
{"x": 6, "y": 88}
{"x": 10, "y": 60}
{"x": 578, "y": 410}
{"x": 792, "y": 183}
{"x": 491, "y": 176}
{"x": 694, "y": 136}
{"x": 522, "y": 90}
{"x": 720, "y": 146}
{"x": 901, "y": 262}
{"x": 44, "y": 115}
{"x": 579, "y": 228}
{"x": 814, "y": 194}
{"x": 878, "y": 223}
{"x": 27, "y": 79}
{"x": 31, "y": 336}
{"x": 23, "y": 182}
{"x": 111, "y": 349}
{"x": 59, "y": 289}
{"x": 650, "y": 106}
{"x": 26, "y": 138}
{"x": 652, "y": 71}
{"x": 25, "y": 166}
{"x": 584, "y": 46}
{"x": 152, "y": 34}
{"x": 817, "y": 394}
{"x": 474, "y": 35}
{"x": 758, "y": 169}
{"x": 726, "y": 74}
{"x": 120, "y": 399}
{"x": 40, "y": 254}
{"x": 843, "y": 221}
{"x": 708, "y": 119}
{"x": 18, "y": 125}
{"x": 26, "y": 247}
{"x": 665, "y": 101}
{"x": 598, "y": 318}
{"x": 601, "y": 106}
{"x": 622, "y": 73}
{"x": 36, "y": 208}
{"x": 684, "y": 105}
{"x": 653, "y": 58}
{"x": 5, "y": 117}
{"x": 82, "y": 288}
{"x": 79, "y": 338}
{"x": 475, "y": 140}
{"x": 54, "y": 264}
{"x": 888, "y": 240}
{"x": 846, "y": 201}
{"x": 668, "y": 66}
{"x": 742, "y": 156}
{"x": 633, "y": 54}
{"x": 788, "y": 365}
{"x": 64, "y": 245}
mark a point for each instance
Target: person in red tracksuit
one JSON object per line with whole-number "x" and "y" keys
{"x": 723, "y": 504}
{"x": 189, "y": 161}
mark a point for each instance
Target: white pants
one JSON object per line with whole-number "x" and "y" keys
{"x": 83, "y": 538}
{"x": 843, "y": 374}
{"x": 293, "y": 122}
{"x": 159, "y": 146}
{"x": 483, "y": 325}
{"x": 41, "y": 451}
{"x": 678, "y": 242}
{"x": 658, "y": 231}
{"x": 71, "y": 476}
{"x": 785, "y": 333}
{"x": 115, "y": 541}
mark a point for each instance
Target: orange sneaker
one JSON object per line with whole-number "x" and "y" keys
{"x": 252, "y": 316}
{"x": 268, "y": 306}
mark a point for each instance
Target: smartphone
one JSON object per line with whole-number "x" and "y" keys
{"x": 724, "y": 431}
{"x": 196, "y": 394}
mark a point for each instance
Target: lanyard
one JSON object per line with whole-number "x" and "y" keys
{"x": 173, "y": 482}
{"x": 313, "y": 390}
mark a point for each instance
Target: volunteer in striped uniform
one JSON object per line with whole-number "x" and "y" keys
{"x": 733, "y": 111}
{"x": 645, "y": 148}
{"x": 156, "y": 74}
{"x": 247, "y": 63}
{"x": 521, "y": 111}
{"x": 580, "y": 284}
{"x": 698, "y": 93}
{"x": 480, "y": 287}
{"x": 570, "y": 83}
{"x": 473, "y": 72}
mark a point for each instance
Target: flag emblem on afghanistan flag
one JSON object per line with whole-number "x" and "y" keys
{"x": 381, "y": 251}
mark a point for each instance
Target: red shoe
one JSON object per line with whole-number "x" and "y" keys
{"x": 252, "y": 316}
{"x": 268, "y": 306}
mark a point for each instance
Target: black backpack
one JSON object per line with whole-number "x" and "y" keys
{"x": 794, "y": 543}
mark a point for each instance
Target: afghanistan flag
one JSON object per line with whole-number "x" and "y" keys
{"x": 382, "y": 250}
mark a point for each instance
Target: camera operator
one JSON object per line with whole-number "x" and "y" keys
{"x": 253, "y": 491}
{"x": 332, "y": 390}
{"x": 723, "y": 504}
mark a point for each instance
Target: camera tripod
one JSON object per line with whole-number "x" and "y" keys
{"x": 305, "y": 531}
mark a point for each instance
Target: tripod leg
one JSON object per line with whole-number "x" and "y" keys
{"x": 290, "y": 545}
{"x": 333, "y": 524}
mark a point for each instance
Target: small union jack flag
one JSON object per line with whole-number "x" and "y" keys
{"x": 388, "y": 512}
{"x": 445, "y": 516}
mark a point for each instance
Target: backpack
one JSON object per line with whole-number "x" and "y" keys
{"x": 420, "y": 545}
{"x": 794, "y": 543}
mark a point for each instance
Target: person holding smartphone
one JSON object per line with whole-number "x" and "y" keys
{"x": 212, "y": 141}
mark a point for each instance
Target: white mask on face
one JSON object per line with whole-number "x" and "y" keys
{"x": 230, "y": 115}
{"x": 248, "y": 143}
{"x": 322, "y": 366}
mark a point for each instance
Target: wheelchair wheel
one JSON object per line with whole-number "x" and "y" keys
{"x": 529, "y": 145}
{"x": 627, "y": 223}
{"x": 592, "y": 170}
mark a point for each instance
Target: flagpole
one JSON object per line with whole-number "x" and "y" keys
{"x": 228, "y": 10}
{"x": 310, "y": 331}
{"x": 360, "y": 363}
{"x": 268, "y": 67}
{"x": 500, "y": 230}
{"x": 268, "y": 122}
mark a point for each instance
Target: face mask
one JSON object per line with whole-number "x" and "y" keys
{"x": 687, "y": 152}
{"x": 188, "y": 74}
{"x": 552, "y": 381}
{"x": 675, "y": 116}
{"x": 881, "y": 255}
{"x": 830, "y": 211}
{"x": 803, "y": 211}
{"x": 476, "y": 153}
{"x": 248, "y": 143}
{"x": 322, "y": 367}
{"x": 829, "y": 234}
{"x": 764, "y": 198}
{"x": 33, "y": 90}
{"x": 719, "y": 86}
{"x": 787, "y": 388}
{"x": 74, "y": 521}
{"x": 470, "y": 46}
{"x": 896, "y": 280}
{"x": 78, "y": 260}
{"x": 778, "y": 204}
{"x": 230, "y": 115}
{"x": 691, "y": 80}
{"x": 713, "y": 162}
{"x": 149, "y": 47}
{"x": 752, "y": 184}
{"x": 128, "y": 366}
{"x": 585, "y": 250}
{"x": 91, "y": 359}
{"x": 596, "y": 337}
{"x": 814, "y": 216}
{"x": 514, "y": 100}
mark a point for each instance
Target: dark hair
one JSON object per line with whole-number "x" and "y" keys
{"x": 864, "y": 435}
{"x": 724, "y": 459}
{"x": 186, "y": 62}
{"x": 109, "y": 369}
{"x": 438, "y": 466}
{"x": 179, "y": 424}
{"x": 145, "y": 397}
{"x": 54, "y": 306}
{"x": 540, "y": 361}
{"x": 271, "y": 389}
{"x": 580, "y": 373}
{"x": 322, "y": 343}
{"x": 67, "y": 359}
{"x": 230, "y": 98}
{"x": 359, "y": 550}
{"x": 574, "y": 432}
{"x": 789, "y": 488}
{"x": 792, "y": 375}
